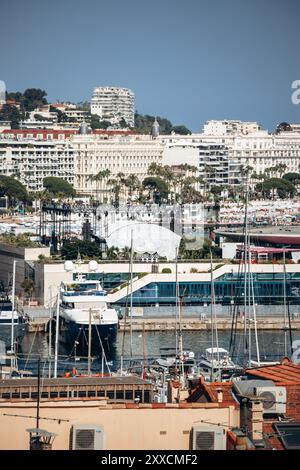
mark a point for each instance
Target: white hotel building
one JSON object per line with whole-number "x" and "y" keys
{"x": 113, "y": 103}
{"x": 127, "y": 154}
{"x": 32, "y": 160}
{"x": 33, "y": 155}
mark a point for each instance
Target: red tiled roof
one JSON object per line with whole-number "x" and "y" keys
{"x": 66, "y": 132}
{"x": 209, "y": 390}
{"x": 226, "y": 388}
{"x": 282, "y": 374}
{"x": 35, "y": 132}
{"x": 271, "y": 436}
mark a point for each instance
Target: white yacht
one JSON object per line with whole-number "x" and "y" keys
{"x": 83, "y": 304}
{"x": 216, "y": 365}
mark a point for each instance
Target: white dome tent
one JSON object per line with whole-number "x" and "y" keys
{"x": 147, "y": 238}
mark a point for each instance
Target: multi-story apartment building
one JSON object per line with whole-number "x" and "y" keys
{"x": 36, "y": 153}
{"x": 113, "y": 104}
{"x": 33, "y": 160}
{"x": 259, "y": 150}
{"x": 125, "y": 154}
{"x": 210, "y": 158}
{"x": 216, "y": 167}
{"x": 230, "y": 127}
{"x": 262, "y": 151}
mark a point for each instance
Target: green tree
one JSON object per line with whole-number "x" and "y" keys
{"x": 33, "y": 98}
{"x": 28, "y": 286}
{"x": 116, "y": 184}
{"x": 133, "y": 184}
{"x": 283, "y": 187}
{"x": 100, "y": 176}
{"x": 61, "y": 116}
{"x": 71, "y": 248}
{"x": 12, "y": 114}
{"x": 13, "y": 189}
{"x": 97, "y": 123}
{"x": 56, "y": 185}
{"x": 293, "y": 178}
{"x": 182, "y": 130}
{"x": 143, "y": 124}
{"x": 156, "y": 185}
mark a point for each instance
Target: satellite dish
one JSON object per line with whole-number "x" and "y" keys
{"x": 93, "y": 265}
{"x": 69, "y": 266}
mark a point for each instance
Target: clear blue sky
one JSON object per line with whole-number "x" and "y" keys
{"x": 187, "y": 60}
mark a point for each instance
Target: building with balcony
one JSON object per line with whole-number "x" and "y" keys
{"x": 125, "y": 154}
{"x": 33, "y": 160}
{"x": 113, "y": 103}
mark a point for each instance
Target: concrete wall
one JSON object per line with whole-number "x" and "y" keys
{"x": 9, "y": 253}
{"x": 137, "y": 427}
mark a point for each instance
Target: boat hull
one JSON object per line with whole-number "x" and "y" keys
{"x": 20, "y": 331}
{"x": 101, "y": 336}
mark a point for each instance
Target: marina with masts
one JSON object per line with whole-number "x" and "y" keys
{"x": 137, "y": 333}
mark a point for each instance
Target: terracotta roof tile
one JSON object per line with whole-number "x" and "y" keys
{"x": 286, "y": 373}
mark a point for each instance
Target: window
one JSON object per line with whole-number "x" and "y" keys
{"x": 289, "y": 435}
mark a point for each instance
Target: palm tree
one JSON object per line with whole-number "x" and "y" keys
{"x": 133, "y": 184}
{"x": 281, "y": 168}
{"x": 117, "y": 184}
{"x": 100, "y": 176}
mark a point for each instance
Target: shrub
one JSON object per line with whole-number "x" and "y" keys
{"x": 166, "y": 270}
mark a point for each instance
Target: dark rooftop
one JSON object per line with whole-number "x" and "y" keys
{"x": 63, "y": 381}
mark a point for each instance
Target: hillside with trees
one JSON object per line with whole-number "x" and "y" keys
{"x": 24, "y": 103}
{"x": 144, "y": 123}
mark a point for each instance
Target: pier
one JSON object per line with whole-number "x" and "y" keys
{"x": 195, "y": 324}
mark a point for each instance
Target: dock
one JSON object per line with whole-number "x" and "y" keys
{"x": 38, "y": 325}
{"x": 196, "y": 324}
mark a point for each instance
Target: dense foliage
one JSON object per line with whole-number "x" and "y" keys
{"x": 13, "y": 189}
{"x": 58, "y": 186}
{"x": 71, "y": 248}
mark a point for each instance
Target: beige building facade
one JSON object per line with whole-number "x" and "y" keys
{"x": 125, "y": 426}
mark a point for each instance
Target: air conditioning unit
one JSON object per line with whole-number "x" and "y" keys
{"x": 209, "y": 438}
{"x": 87, "y": 437}
{"x": 275, "y": 399}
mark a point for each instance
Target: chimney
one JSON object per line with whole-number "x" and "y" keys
{"x": 255, "y": 419}
{"x": 219, "y": 395}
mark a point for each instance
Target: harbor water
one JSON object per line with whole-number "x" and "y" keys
{"x": 146, "y": 346}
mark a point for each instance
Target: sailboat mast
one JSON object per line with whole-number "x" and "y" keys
{"x": 90, "y": 342}
{"x": 214, "y": 327}
{"x": 246, "y": 253}
{"x": 249, "y": 301}
{"x": 13, "y": 302}
{"x": 50, "y": 332}
{"x": 284, "y": 305}
{"x": 176, "y": 304}
{"x": 131, "y": 279}
{"x": 56, "y": 334}
{"x": 255, "y": 322}
{"x": 180, "y": 346}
